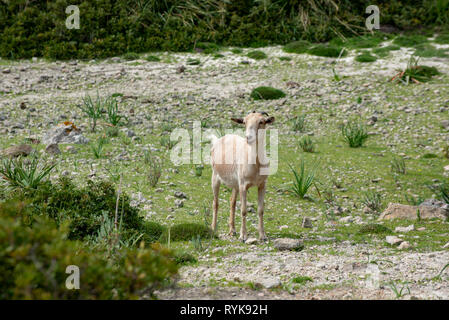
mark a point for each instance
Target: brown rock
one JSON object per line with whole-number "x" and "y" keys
{"x": 19, "y": 150}
{"x": 402, "y": 211}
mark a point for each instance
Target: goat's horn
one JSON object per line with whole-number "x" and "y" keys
{"x": 264, "y": 113}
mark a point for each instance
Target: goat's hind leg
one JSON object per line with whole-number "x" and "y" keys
{"x": 232, "y": 214}
{"x": 216, "y": 190}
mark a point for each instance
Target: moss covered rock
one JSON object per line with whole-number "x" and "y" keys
{"x": 257, "y": 55}
{"x": 300, "y": 46}
{"x": 322, "y": 50}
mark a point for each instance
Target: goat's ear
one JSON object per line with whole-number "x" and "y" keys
{"x": 269, "y": 120}
{"x": 237, "y": 120}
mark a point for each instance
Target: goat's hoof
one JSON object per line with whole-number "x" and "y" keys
{"x": 232, "y": 233}
{"x": 243, "y": 238}
{"x": 263, "y": 239}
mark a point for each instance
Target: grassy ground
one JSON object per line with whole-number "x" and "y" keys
{"x": 407, "y": 126}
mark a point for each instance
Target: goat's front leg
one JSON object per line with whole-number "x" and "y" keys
{"x": 260, "y": 210}
{"x": 232, "y": 214}
{"x": 243, "y": 233}
{"x": 216, "y": 190}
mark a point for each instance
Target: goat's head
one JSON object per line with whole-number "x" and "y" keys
{"x": 253, "y": 122}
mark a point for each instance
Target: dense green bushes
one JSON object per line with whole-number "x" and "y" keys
{"x": 34, "y": 261}
{"x": 115, "y": 27}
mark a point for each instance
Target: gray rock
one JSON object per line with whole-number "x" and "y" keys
{"x": 64, "y": 134}
{"x": 269, "y": 283}
{"x": 180, "y": 195}
{"x": 283, "y": 244}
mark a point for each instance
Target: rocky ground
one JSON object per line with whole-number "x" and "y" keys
{"x": 337, "y": 262}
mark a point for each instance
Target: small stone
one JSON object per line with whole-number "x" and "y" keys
{"x": 130, "y": 133}
{"x": 179, "y": 203}
{"x": 269, "y": 283}
{"x": 251, "y": 241}
{"x": 307, "y": 223}
{"x": 180, "y": 69}
{"x": 393, "y": 240}
{"x": 445, "y": 124}
{"x": 180, "y": 195}
{"x": 446, "y": 245}
{"x": 53, "y": 149}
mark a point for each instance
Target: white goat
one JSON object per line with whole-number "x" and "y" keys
{"x": 235, "y": 163}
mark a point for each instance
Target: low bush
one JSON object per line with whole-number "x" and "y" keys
{"x": 131, "y": 56}
{"x": 322, "y": 50}
{"x": 83, "y": 207}
{"x": 267, "y": 93}
{"x": 207, "y": 47}
{"x": 373, "y": 228}
{"x": 410, "y": 40}
{"x": 187, "y": 231}
{"x": 257, "y": 55}
{"x": 35, "y": 259}
{"x": 365, "y": 57}
{"x": 354, "y": 133}
{"x": 151, "y": 58}
{"x": 298, "y": 47}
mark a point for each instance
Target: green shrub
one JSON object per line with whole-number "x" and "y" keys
{"x": 299, "y": 123}
{"x": 354, "y": 134}
{"x": 373, "y": 228}
{"x": 302, "y": 280}
{"x": 302, "y": 181}
{"x": 365, "y": 57}
{"x": 152, "y": 231}
{"x": 285, "y": 58}
{"x": 257, "y": 55}
{"x": 442, "y": 38}
{"x": 299, "y": 47}
{"x": 186, "y": 231}
{"x": 193, "y": 62}
{"x": 307, "y": 144}
{"x": 267, "y": 93}
{"x": 384, "y": 51}
{"x": 183, "y": 258}
{"x": 82, "y": 207}
{"x": 151, "y": 58}
{"x": 34, "y": 261}
{"x": 24, "y": 173}
{"x": 131, "y": 56}
{"x": 361, "y": 42}
{"x": 415, "y": 72}
{"x": 207, "y": 47}
{"x": 372, "y": 200}
{"x": 429, "y": 51}
{"x": 410, "y": 41}
{"x": 322, "y": 50}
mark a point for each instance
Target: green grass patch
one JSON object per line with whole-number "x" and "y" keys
{"x": 152, "y": 58}
{"x": 267, "y": 93}
{"x": 410, "y": 40}
{"x": 323, "y": 50}
{"x": 257, "y": 55}
{"x": 187, "y": 232}
{"x": 374, "y": 228}
{"x": 365, "y": 57}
